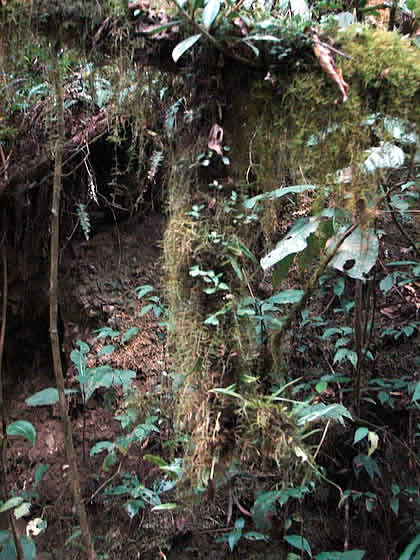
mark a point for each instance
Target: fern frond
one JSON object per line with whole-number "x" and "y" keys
{"x": 170, "y": 116}
{"x": 84, "y": 219}
{"x": 155, "y": 162}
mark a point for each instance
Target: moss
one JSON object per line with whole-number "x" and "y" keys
{"x": 297, "y": 132}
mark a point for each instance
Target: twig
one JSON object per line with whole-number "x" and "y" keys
{"x": 322, "y": 439}
{"x": 337, "y": 51}
{"x": 241, "y": 508}
{"x": 104, "y": 484}
{"x": 277, "y": 337}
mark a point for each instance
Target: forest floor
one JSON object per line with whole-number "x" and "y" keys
{"x": 124, "y": 257}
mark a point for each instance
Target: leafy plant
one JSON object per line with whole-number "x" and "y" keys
{"x": 237, "y": 533}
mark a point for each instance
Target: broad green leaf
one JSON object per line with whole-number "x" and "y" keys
{"x": 233, "y": 538}
{"x": 22, "y": 428}
{"x": 294, "y": 242}
{"x": 339, "y": 286}
{"x": 11, "y": 503}
{"x": 132, "y": 507}
{"x": 39, "y": 473}
{"x": 402, "y": 131}
{"x": 83, "y": 347}
{"x": 104, "y": 332}
{"x": 416, "y": 394}
{"x": 43, "y": 398}
{"x": 310, "y": 413}
{"x": 129, "y": 334}
{"x": 369, "y": 464}
{"x": 411, "y": 550}
{"x": 141, "y": 291}
{"x": 299, "y": 542}
{"x": 164, "y": 507}
{"x": 386, "y": 156}
{"x": 345, "y": 19}
{"x": 345, "y": 354}
{"x": 210, "y": 12}
{"x": 79, "y": 360}
{"x": 349, "y": 555}
{"x": 357, "y": 255}
{"x": 300, "y": 8}
{"x": 373, "y": 442}
{"x": 284, "y": 297}
{"x": 146, "y": 309}
{"x": 277, "y": 193}
{"x": 253, "y": 536}
{"x": 183, "y": 46}
{"x": 360, "y": 434}
{"x": 101, "y": 446}
{"x": 281, "y": 270}
{"x": 22, "y": 510}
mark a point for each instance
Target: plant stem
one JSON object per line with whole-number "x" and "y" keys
{"x": 55, "y": 345}
{"x": 277, "y": 337}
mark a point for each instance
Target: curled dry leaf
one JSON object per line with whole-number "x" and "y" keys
{"x": 324, "y": 56}
{"x": 241, "y": 25}
{"x": 216, "y": 139}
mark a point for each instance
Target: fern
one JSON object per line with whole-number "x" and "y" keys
{"x": 170, "y": 116}
{"x": 84, "y": 219}
{"x": 155, "y": 162}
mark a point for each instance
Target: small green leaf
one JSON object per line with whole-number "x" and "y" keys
{"x": 254, "y": 536}
{"x": 183, "y": 46}
{"x": 141, "y": 291}
{"x": 39, "y": 473}
{"x": 164, "y": 507}
{"x": 156, "y": 460}
{"x": 104, "y": 332}
{"x": 360, "y": 434}
{"x": 11, "y": 503}
{"x": 106, "y": 350}
{"x": 22, "y": 428}
{"x": 321, "y": 386}
{"x": 300, "y": 543}
{"x": 373, "y": 442}
{"x": 129, "y": 334}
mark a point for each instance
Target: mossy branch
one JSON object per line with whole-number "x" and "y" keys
{"x": 277, "y": 337}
